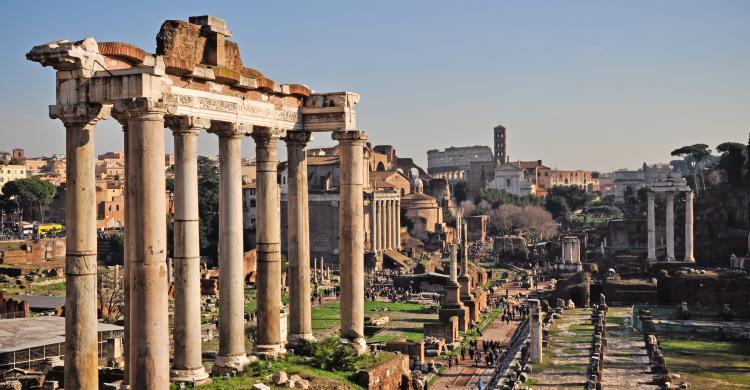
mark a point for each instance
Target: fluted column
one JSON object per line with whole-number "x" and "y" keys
{"x": 374, "y": 224}
{"x": 149, "y": 325}
{"x": 81, "y": 358}
{"x": 381, "y": 226}
{"x": 268, "y": 279}
{"x": 298, "y": 245}
{"x": 670, "y": 226}
{"x": 689, "y": 198}
{"x": 398, "y": 224}
{"x": 187, "y": 365}
{"x": 351, "y": 237}
{"x": 651, "y": 222}
{"x": 231, "y": 356}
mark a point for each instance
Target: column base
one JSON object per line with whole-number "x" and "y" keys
{"x": 269, "y": 351}
{"x": 195, "y": 375}
{"x": 294, "y": 339}
{"x": 690, "y": 260}
{"x": 229, "y": 364}
{"x": 359, "y": 344}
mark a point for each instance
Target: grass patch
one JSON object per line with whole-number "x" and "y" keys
{"x": 709, "y": 364}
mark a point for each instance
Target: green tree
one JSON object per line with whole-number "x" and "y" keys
{"x": 733, "y": 155}
{"x": 575, "y": 197}
{"x": 694, "y": 156}
{"x": 208, "y": 205}
{"x": 29, "y": 193}
{"x": 557, "y": 206}
{"x": 459, "y": 192}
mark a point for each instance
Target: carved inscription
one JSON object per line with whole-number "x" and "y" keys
{"x": 247, "y": 107}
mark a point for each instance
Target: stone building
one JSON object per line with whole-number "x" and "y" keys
{"x": 422, "y": 210}
{"x": 454, "y": 163}
{"x": 623, "y": 178}
{"x": 511, "y": 179}
{"x": 501, "y": 144}
{"x": 578, "y": 178}
{"x": 11, "y": 173}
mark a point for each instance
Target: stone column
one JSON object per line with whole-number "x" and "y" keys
{"x": 187, "y": 365}
{"x": 392, "y": 223}
{"x": 298, "y": 239}
{"x": 452, "y": 289}
{"x": 374, "y": 224}
{"x": 123, "y": 120}
{"x": 351, "y": 237}
{"x": 670, "y": 226}
{"x": 535, "y": 331}
{"x": 268, "y": 279}
{"x": 398, "y": 224}
{"x": 386, "y": 228}
{"x": 464, "y": 279}
{"x": 81, "y": 335}
{"x": 149, "y": 325}
{"x": 231, "y": 356}
{"x": 689, "y": 226}
{"x": 651, "y": 221}
{"x": 381, "y": 225}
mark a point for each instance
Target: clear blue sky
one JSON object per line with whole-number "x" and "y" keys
{"x": 580, "y": 84}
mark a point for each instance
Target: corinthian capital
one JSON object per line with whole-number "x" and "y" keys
{"x": 140, "y": 107}
{"x": 187, "y": 124}
{"x": 80, "y": 112}
{"x": 297, "y": 137}
{"x": 354, "y": 136}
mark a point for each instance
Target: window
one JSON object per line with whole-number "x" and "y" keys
{"x": 252, "y": 202}
{"x": 507, "y": 182}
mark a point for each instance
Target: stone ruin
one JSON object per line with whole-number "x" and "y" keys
{"x": 195, "y": 81}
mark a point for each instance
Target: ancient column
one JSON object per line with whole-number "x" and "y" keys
{"x": 374, "y": 224}
{"x": 453, "y": 287}
{"x": 231, "y": 356}
{"x": 381, "y": 226}
{"x": 351, "y": 237}
{"x": 670, "y": 226}
{"x": 298, "y": 244}
{"x": 398, "y": 224}
{"x": 187, "y": 365}
{"x": 464, "y": 279}
{"x": 392, "y": 223}
{"x": 689, "y": 226}
{"x": 315, "y": 270}
{"x": 149, "y": 325}
{"x": 122, "y": 118}
{"x": 81, "y": 335}
{"x": 386, "y": 228}
{"x": 268, "y": 279}
{"x": 535, "y": 331}
{"x": 651, "y": 222}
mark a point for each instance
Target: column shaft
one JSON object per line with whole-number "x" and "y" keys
{"x": 231, "y": 269}
{"x": 268, "y": 279}
{"x": 670, "y": 226}
{"x": 398, "y": 224}
{"x": 126, "y": 250}
{"x": 149, "y": 325}
{"x": 81, "y": 358}
{"x": 689, "y": 226}
{"x": 381, "y": 223}
{"x": 299, "y": 240}
{"x": 374, "y": 224}
{"x": 651, "y": 222}
{"x": 351, "y": 237}
{"x": 187, "y": 364}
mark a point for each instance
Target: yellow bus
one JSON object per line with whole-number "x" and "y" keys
{"x": 44, "y": 229}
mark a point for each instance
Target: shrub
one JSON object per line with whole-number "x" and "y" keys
{"x": 330, "y": 354}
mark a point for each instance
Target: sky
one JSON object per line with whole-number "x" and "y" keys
{"x": 594, "y": 85}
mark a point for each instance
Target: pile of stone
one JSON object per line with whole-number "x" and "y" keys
{"x": 598, "y": 345}
{"x": 662, "y": 377}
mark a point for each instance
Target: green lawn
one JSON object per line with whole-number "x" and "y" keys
{"x": 709, "y": 364}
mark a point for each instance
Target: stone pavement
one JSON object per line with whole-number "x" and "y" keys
{"x": 566, "y": 358}
{"x": 466, "y": 375}
{"x": 625, "y": 359}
